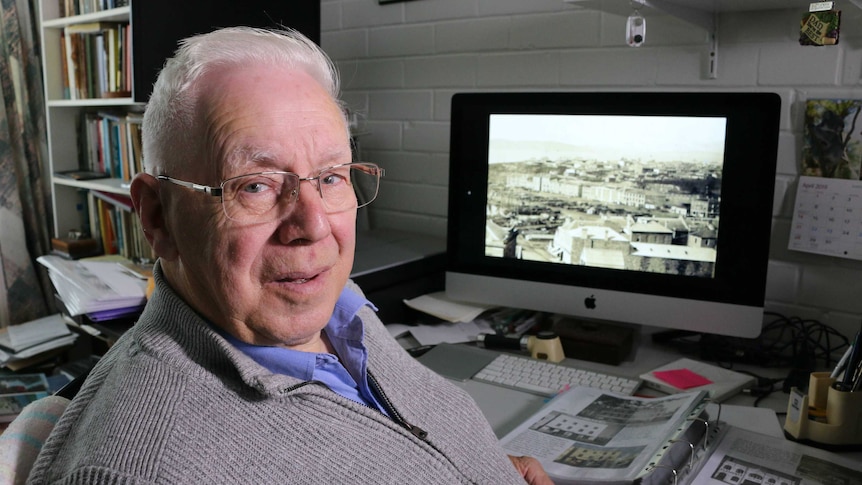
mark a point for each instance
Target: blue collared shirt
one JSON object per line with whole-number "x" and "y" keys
{"x": 345, "y": 373}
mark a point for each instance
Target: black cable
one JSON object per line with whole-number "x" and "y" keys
{"x": 804, "y": 345}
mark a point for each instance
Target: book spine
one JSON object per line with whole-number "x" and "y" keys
{"x": 71, "y": 68}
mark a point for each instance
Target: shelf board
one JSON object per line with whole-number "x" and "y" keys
{"x": 83, "y": 103}
{"x": 114, "y": 186}
{"x": 742, "y": 5}
{"x": 702, "y": 13}
{"x": 112, "y": 15}
{"x": 706, "y": 7}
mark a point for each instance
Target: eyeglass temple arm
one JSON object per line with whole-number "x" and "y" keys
{"x": 214, "y": 191}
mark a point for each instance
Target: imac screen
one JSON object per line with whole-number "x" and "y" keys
{"x": 649, "y": 208}
{"x": 635, "y": 193}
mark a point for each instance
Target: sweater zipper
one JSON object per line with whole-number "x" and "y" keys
{"x": 396, "y": 416}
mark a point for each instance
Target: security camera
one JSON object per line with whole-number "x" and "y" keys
{"x": 635, "y": 30}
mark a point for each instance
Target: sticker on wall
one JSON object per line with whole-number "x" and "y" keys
{"x": 821, "y": 25}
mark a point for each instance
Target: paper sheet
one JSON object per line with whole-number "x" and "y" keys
{"x": 439, "y": 305}
{"x": 450, "y": 333}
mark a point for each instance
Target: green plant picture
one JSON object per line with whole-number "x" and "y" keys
{"x": 832, "y": 142}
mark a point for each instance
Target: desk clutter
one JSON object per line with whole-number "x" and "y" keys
{"x": 585, "y": 435}
{"x": 465, "y": 322}
{"x": 103, "y": 288}
{"x": 30, "y": 343}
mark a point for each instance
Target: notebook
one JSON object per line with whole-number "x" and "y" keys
{"x": 722, "y": 383}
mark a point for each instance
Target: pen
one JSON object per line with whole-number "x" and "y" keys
{"x": 857, "y": 384}
{"x": 852, "y": 363}
{"x": 842, "y": 362}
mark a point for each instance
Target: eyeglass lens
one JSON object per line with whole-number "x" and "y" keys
{"x": 253, "y": 197}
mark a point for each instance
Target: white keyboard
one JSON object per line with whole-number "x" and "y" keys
{"x": 547, "y": 378}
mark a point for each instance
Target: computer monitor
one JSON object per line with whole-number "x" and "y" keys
{"x": 650, "y": 208}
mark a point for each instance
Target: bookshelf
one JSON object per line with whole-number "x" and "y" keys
{"x": 147, "y": 33}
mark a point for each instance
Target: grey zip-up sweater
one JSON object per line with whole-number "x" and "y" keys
{"x": 173, "y": 402}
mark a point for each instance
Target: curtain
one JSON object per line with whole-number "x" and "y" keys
{"x": 24, "y": 206}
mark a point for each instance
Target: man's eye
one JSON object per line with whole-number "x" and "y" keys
{"x": 255, "y": 187}
{"x": 332, "y": 179}
{"x": 258, "y": 185}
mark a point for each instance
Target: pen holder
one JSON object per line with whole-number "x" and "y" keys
{"x": 826, "y": 415}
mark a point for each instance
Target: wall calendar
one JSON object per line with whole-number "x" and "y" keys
{"x": 827, "y": 217}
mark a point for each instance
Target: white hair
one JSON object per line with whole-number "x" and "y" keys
{"x": 170, "y": 137}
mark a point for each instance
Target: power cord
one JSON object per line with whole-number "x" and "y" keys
{"x": 800, "y": 344}
{"x": 783, "y": 342}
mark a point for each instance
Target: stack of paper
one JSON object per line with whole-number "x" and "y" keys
{"x": 94, "y": 286}
{"x": 29, "y": 340}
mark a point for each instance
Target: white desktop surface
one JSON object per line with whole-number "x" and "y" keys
{"x": 506, "y": 408}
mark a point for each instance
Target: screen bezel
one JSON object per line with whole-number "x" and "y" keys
{"x": 746, "y": 203}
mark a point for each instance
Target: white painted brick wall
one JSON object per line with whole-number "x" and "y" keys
{"x": 402, "y": 62}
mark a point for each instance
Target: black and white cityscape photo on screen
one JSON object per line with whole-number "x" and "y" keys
{"x": 625, "y": 192}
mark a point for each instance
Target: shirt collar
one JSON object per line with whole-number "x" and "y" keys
{"x": 345, "y": 333}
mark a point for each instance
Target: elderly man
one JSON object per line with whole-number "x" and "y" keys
{"x": 256, "y": 360}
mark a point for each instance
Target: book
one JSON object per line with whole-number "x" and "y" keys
{"x": 75, "y": 248}
{"x": 23, "y": 383}
{"x": 17, "y": 338}
{"x": 12, "y": 404}
{"x": 119, "y": 200}
{"x": 19, "y": 390}
{"x": 87, "y": 58}
{"x": 692, "y": 375}
{"x": 82, "y": 174}
{"x": 30, "y": 343}
{"x": 588, "y": 436}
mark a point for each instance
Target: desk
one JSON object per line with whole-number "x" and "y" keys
{"x": 505, "y": 408}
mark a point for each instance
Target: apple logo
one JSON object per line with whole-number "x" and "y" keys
{"x": 590, "y": 302}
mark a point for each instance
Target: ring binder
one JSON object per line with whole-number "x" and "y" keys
{"x": 585, "y": 435}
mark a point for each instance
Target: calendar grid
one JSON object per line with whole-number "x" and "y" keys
{"x": 827, "y": 217}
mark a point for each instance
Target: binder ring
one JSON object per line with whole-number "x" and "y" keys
{"x": 718, "y": 404}
{"x": 706, "y": 434}
{"x": 672, "y": 469}
{"x": 690, "y": 457}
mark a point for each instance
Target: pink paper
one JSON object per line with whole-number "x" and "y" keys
{"x": 682, "y": 378}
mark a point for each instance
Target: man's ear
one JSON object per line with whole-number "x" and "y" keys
{"x": 148, "y": 206}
